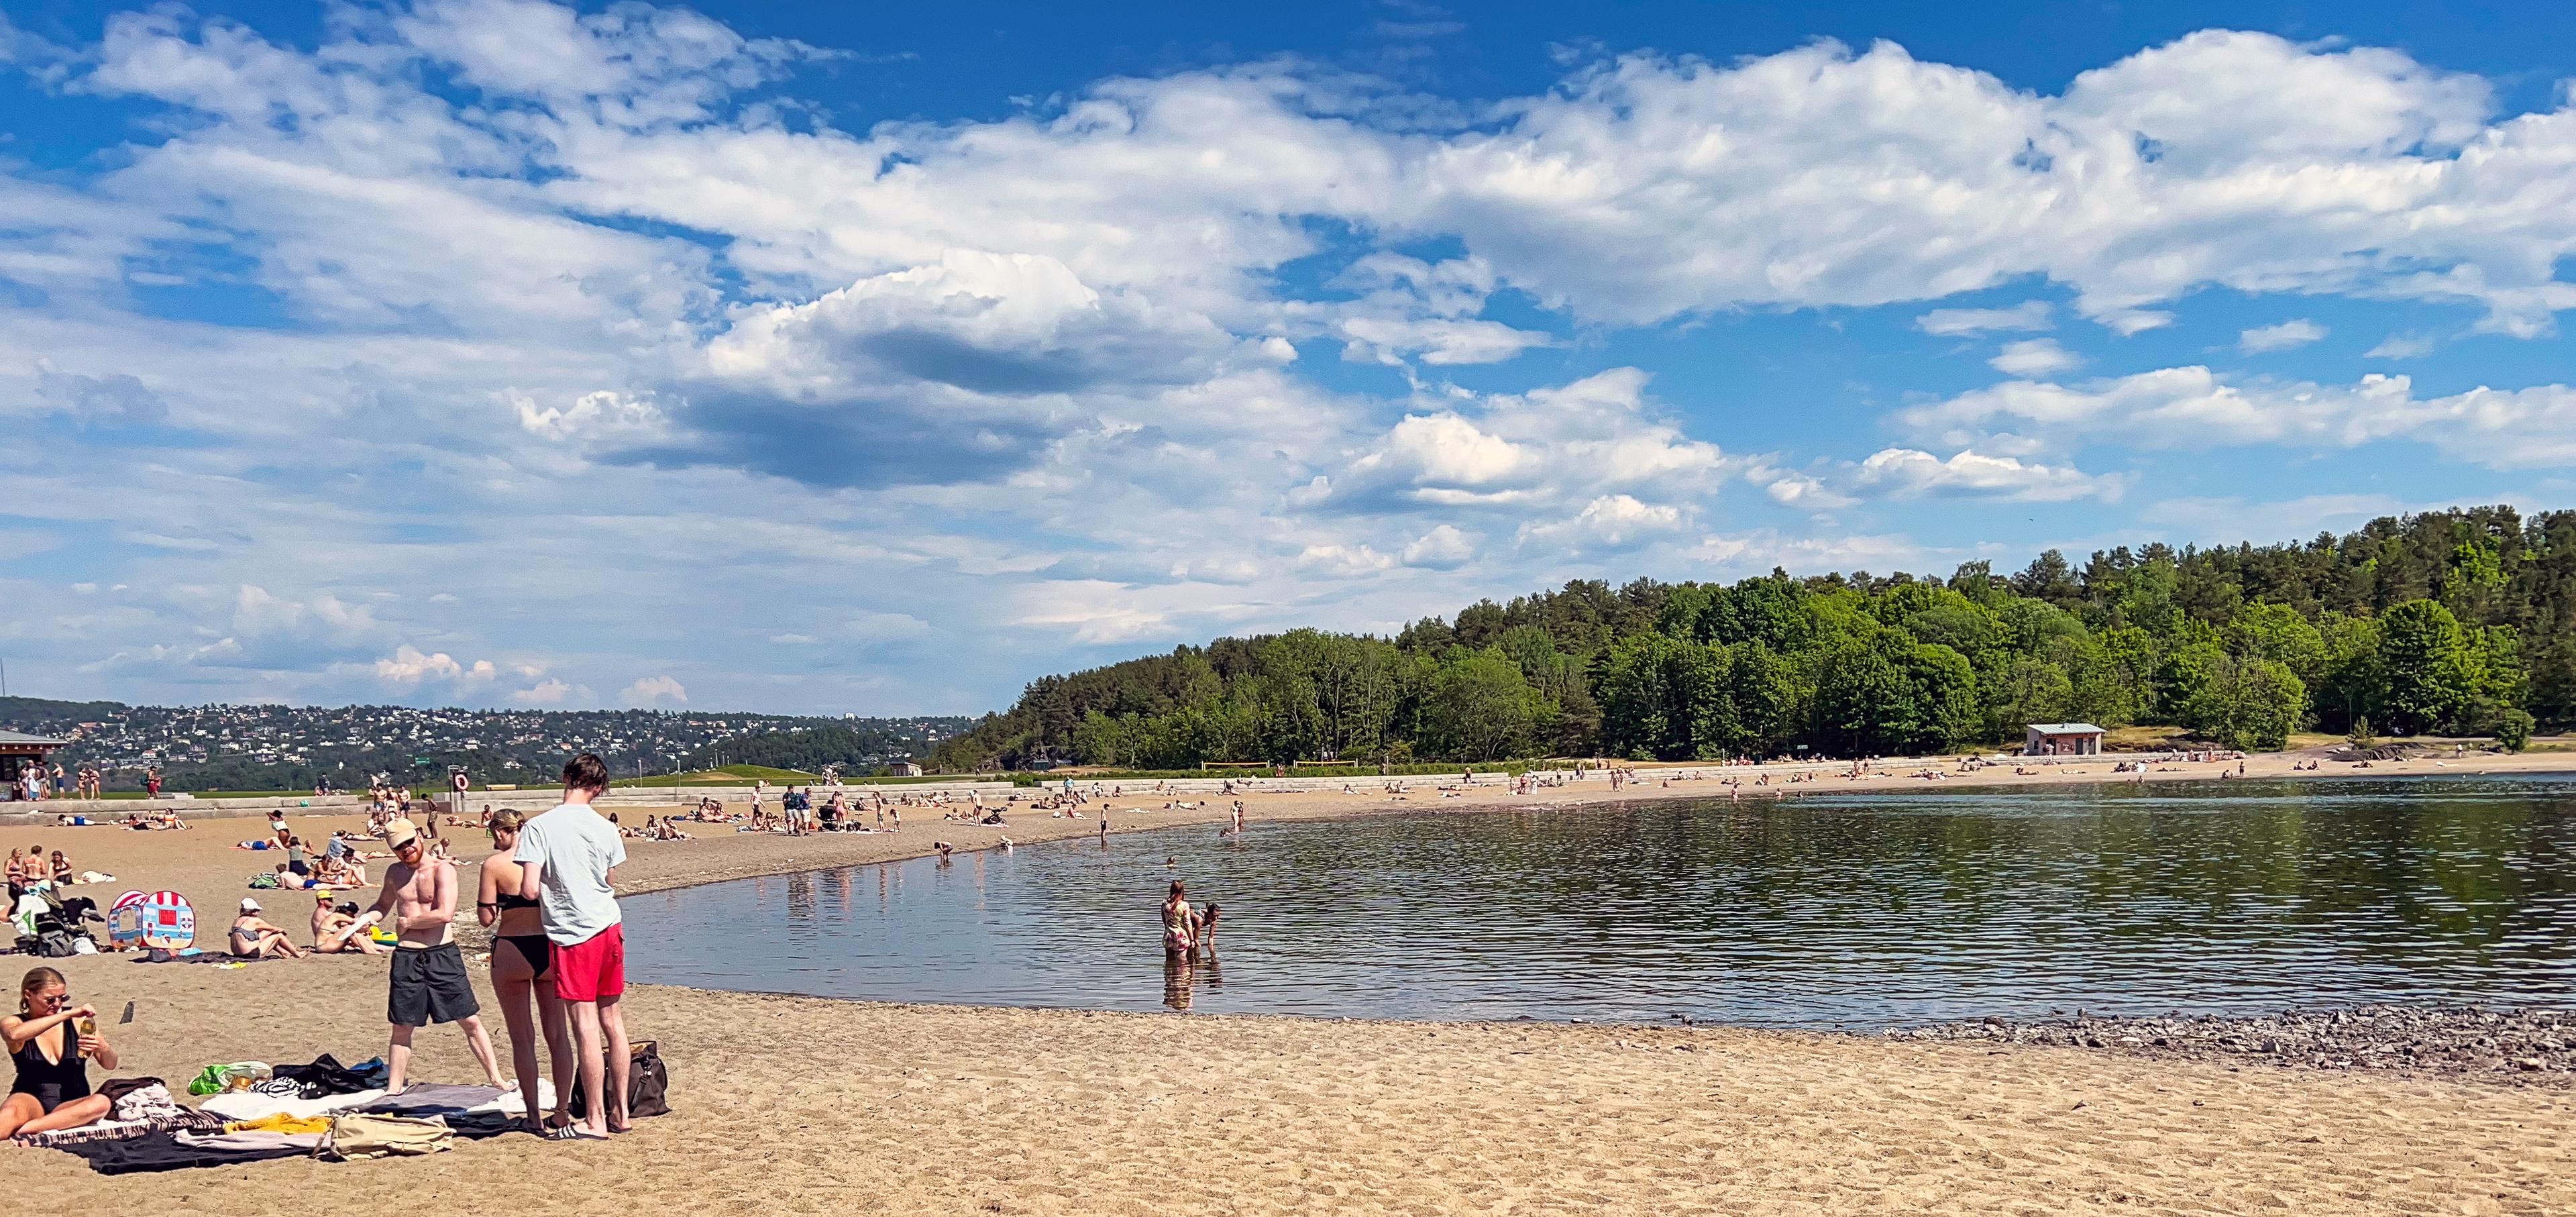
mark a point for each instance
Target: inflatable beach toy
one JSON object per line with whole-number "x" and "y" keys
{"x": 162, "y": 920}
{"x": 125, "y": 920}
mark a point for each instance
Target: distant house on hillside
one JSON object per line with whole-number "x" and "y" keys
{"x": 2061, "y": 739}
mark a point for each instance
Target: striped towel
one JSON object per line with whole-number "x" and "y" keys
{"x": 118, "y": 1130}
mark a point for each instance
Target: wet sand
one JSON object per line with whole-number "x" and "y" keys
{"x": 810, "y": 1105}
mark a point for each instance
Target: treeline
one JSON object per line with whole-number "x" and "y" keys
{"x": 2446, "y": 622}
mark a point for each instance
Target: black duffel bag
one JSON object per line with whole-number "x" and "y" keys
{"x": 648, "y": 1083}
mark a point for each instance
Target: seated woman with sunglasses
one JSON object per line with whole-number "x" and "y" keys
{"x": 47, "y": 1046}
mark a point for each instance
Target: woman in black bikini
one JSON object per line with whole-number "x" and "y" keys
{"x": 52, "y": 1088}
{"x": 522, "y": 962}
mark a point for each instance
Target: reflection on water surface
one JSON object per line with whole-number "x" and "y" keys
{"x": 1826, "y": 910}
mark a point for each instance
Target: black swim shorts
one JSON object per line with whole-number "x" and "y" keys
{"x": 430, "y": 986}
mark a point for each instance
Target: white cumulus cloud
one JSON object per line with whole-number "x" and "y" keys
{"x": 654, "y": 690}
{"x": 2297, "y": 332}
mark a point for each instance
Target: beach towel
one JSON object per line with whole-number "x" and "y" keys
{"x": 257, "y": 1140}
{"x": 192, "y": 955}
{"x": 471, "y": 1112}
{"x": 117, "y": 1130}
{"x": 438, "y": 1099}
{"x": 252, "y": 1105}
{"x": 163, "y": 1151}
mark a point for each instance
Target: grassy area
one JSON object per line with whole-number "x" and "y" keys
{"x": 2144, "y": 739}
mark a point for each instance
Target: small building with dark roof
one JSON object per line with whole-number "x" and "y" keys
{"x": 2061, "y": 739}
{"x": 19, "y": 750}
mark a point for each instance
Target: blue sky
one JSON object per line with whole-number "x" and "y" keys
{"x": 877, "y": 359}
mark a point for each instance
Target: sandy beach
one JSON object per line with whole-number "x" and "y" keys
{"x": 808, "y": 1105}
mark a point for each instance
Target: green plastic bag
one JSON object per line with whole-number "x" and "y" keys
{"x": 215, "y": 1079}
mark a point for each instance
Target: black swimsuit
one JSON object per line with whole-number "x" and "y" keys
{"x": 54, "y": 1083}
{"x": 535, "y": 948}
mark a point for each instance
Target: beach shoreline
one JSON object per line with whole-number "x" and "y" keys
{"x": 811, "y": 1104}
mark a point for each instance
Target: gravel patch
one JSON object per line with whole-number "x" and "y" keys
{"x": 2512, "y": 1045}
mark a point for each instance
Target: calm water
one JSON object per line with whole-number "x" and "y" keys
{"x": 1832, "y": 910}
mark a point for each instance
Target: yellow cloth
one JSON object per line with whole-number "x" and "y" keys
{"x": 282, "y": 1122}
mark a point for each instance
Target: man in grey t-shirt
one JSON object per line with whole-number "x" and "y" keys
{"x": 568, "y": 860}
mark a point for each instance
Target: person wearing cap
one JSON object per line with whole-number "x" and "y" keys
{"x": 429, "y": 982}
{"x": 335, "y": 929}
{"x": 253, "y": 938}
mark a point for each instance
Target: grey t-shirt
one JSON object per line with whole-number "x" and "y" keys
{"x": 576, "y": 847}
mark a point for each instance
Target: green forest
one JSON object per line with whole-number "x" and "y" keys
{"x": 2450, "y": 622}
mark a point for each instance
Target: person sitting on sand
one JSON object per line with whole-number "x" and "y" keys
{"x": 335, "y": 930}
{"x": 47, "y": 1044}
{"x": 253, "y": 938}
{"x": 342, "y": 872}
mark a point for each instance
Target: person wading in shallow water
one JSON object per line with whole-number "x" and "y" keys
{"x": 1180, "y": 922}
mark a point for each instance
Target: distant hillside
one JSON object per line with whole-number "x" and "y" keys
{"x": 267, "y": 747}
{"x": 2451, "y": 621}
{"x": 855, "y": 747}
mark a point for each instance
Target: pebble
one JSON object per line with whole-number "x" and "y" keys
{"x": 2519, "y": 1045}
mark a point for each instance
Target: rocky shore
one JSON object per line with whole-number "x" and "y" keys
{"x": 2521, "y": 1046}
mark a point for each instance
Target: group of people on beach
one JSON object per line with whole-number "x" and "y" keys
{"x": 36, "y": 782}
{"x": 558, "y": 963}
{"x": 558, "y": 955}
{"x": 32, "y": 863}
